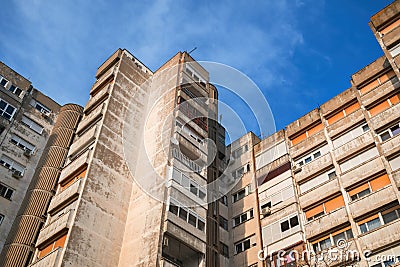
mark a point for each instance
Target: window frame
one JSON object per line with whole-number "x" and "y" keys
{"x": 249, "y": 215}
{"x": 200, "y": 221}
{"x": 4, "y": 189}
{"x": 4, "y": 111}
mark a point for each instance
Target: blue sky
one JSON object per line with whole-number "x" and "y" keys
{"x": 300, "y": 53}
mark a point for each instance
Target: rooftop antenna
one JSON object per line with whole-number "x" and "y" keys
{"x": 192, "y": 50}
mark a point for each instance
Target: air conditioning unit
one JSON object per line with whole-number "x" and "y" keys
{"x": 28, "y": 153}
{"x": 17, "y": 174}
{"x": 265, "y": 211}
{"x": 297, "y": 168}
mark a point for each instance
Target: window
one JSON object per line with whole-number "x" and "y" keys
{"x": 32, "y": 125}
{"x": 331, "y": 240}
{"x": 240, "y": 194}
{"x": 187, "y": 183}
{"x": 6, "y": 191}
{"x": 325, "y": 208}
{"x": 391, "y": 101}
{"x": 343, "y": 113}
{"x": 240, "y": 171}
{"x": 368, "y": 187}
{"x": 386, "y": 258}
{"x": 290, "y": 223}
{"x": 193, "y": 74}
{"x": 350, "y": 135}
{"x": 358, "y": 159}
{"x": 223, "y": 199}
{"x": 21, "y": 143}
{"x": 312, "y": 155}
{"x": 39, "y": 106}
{"x": 242, "y": 246}
{"x": 280, "y": 229}
{"x": 224, "y": 249}
{"x": 6, "y": 110}
{"x": 271, "y": 154}
{"x": 223, "y": 222}
{"x": 390, "y": 132}
{"x": 59, "y": 243}
{"x": 382, "y": 79}
{"x": 382, "y": 218}
{"x": 395, "y": 163}
{"x": 12, "y": 165}
{"x": 307, "y": 133}
{"x": 3, "y": 81}
{"x": 1, "y": 218}
{"x": 240, "y": 151}
{"x": 15, "y": 90}
{"x": 186, "y": 214}
{"x": 245, "y": 216}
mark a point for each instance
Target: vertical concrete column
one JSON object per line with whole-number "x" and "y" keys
{"x": 21, "y": 240}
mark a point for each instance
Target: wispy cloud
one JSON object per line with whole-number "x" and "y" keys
{"x": 60, "y": 44}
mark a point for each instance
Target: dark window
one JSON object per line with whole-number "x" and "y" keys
{"x": 192, "y": 219}
{"x": 173, "y": 208}
{"x": 294, "y": 221}
{"x": 365, "y": 127}
{"x": 385, "y": 136}
{"x": 3, "y": 82}
{"x": 246, "y": 244}
{"x": 332, "y": 175}
{"x": 200, "y": 225}
{"x": 284, "y": 226}
{"x": 316, "y": 155}
{"x": 183, "y": 214}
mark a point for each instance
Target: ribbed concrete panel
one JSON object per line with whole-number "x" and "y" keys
{"x": 37, "y": 202}
{"x": 26, "y": 227}
{"x": 15, "y": 249}
{"x": 45, "y": 181}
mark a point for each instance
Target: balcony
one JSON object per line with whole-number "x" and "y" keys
{"x": 194, "y": 125}
{"x": 185, "y": 160}
{"x": 353, "y": 146}
{"x": 199, "y": 100}
{"x": 385, "y": 117}
{"x": 98, "y": 98}
{"x": 319, "y": 193}
{"x": 380, "y": 91}
{"x": 391, "y": 146}
{"x": 83, "y": 141}
{"x": 65, "y": 195}
{"x": 61, "y": 223}
{"x": 326, "y": 222}
{"x": 74, "y": 165}
{"x": 52, "y": 259}
{"x": 396, "y": 177}
{"x": 91, "y": 117}
{"x": 313, "y": 167}
{"x": 380, "y": 237}
{"x": 367, "y": 169}
{"x": 372, "y": 201}
{"x": 391, "y": 37}
{"x": 344, "y": 123}
{"x": 308, "y": 144}
{"x": 104, "y": 77}
{"x": 194, "y": 115}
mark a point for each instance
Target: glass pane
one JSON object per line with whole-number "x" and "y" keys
{"x": 183, "y": 214}
{"x": 395, "y": 130}
{"x": 284, "y": 226}
{"x": 316, "y": 155}
{"x": 363, "y": 228}
{"x": 385, "y": 136}
{"x": 193, "y": 189}
{"x": 246, "y": 244}
{"x": 325, "y": 243}
{"x": 389, "y": 217}
{"x": 338, "y": 237}
{"x": 173, "y": 208}
{"x": 9, "y": 194}
{"x": 237, "y": 220}
{"x": 349, "y": 234}
{"x": 238, "y": 248}
{"x": 294, "y": 221}
{"x": 373, "y": 224}
{"x": 364, "y": 193}
{"x": 307, "y": 160}
{"x": 202, "y": 194}
{"x": 2, "y": 104}
{"x": 365, "y": 128}
{"x": 192, "y": 219}
{"x": 316, "y": 248}
{"x": 200, "y": 225}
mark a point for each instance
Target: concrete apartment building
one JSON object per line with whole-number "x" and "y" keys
{"x": 27, "y": 119}
{"x": 132, "y": 180}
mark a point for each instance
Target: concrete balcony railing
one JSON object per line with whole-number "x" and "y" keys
{"x": 61, "y": 223}
{"x": 396, "y": 177}
{"x": 319, "y": 193}
{"x": 104, "y": 77}
{"x": 189, "y": 149}
{"x": 53, "y": 259}
{"x": 91, "y": 117}
{"x": 74, "y": 165}
{"x": 380, "y": 91}
{"x": 313, "y": 167}
{"x": 346, "y": 122}
{"x": 380, "y": 237}
{"x": 194, "y": 139}
{"x": 365, "y": 170}
{"x": 390, "y": 38}
{"x": 65, "y": 195}
{"x": 83, "y": 141}
{"x": 391, "y": 146}
{"x": 372, "y": 201}
{"x": 198, "y": 129}
{"x": 307, "y": 144}
{"x": 385, "y": 117}
{"x": 353, "y": 146}
{"x": 326, "y": 222}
